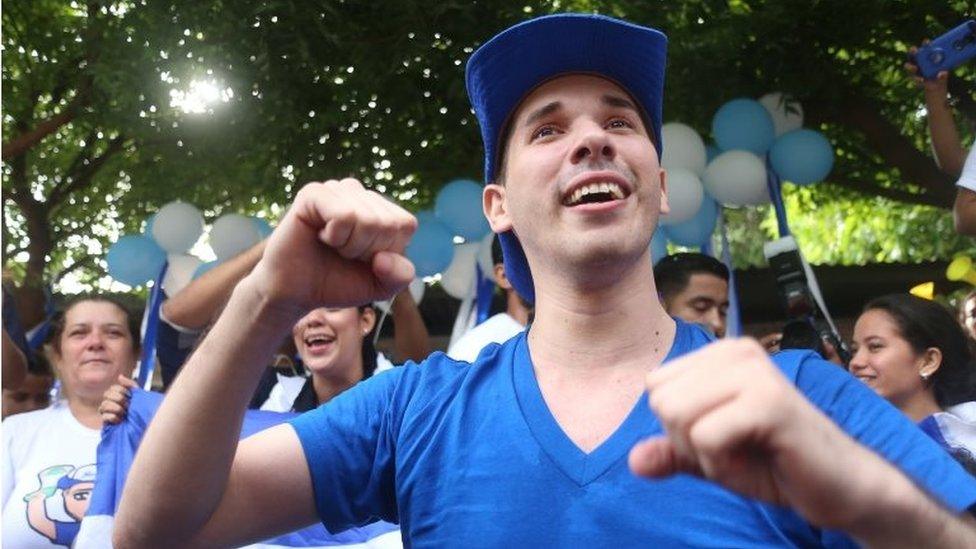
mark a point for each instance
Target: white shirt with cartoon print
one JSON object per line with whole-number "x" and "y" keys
{"x": 48, "y": 477}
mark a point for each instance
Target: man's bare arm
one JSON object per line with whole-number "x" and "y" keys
{"x": 197, "y": 305}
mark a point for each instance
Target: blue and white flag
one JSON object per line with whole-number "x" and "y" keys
{"x": 118, "y": 448}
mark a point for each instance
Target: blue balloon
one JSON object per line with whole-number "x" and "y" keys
{"x": 425, "y": 216}
{"x": 204, "y": 267}
{"x": 743, "y": 124}
{"x": 697, "y": 230}
{"x": 149, "y": 225}
{"x": 659, "y": 245}
{"x": 264, "y": 228}
{"x": 802, "y": 156}
{"x": 711, "y": 151}
{"x": 432, "y": 248}
{"x": 135, "y": 259}
{"x": 458, "y": 206}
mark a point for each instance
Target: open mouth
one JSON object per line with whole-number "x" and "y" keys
{"x": 318, "y": 342}
{"x": 595, "y": 193}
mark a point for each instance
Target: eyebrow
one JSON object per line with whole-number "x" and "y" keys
{"x": 617, "y": 101}
{"x": 542, "y": 112}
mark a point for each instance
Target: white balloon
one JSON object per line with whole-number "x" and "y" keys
{"x": 417, "y": 289}
{"x": 485, "y": 261}
{"x": 179, "y": 272}
{"x": 685, "y": 194}
{"x": 780, "y": 109}
{"x": 737, "y": 178}
{"x": 458, "y": 279}
{"x": 231, "y": 234}
{"x": 177, "y": 227}
{"x": 683, "y": 148}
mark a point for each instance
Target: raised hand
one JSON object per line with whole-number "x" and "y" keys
{"x": 339, "y": 245}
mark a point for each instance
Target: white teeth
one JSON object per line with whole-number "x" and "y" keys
{"x": 609, "y": 187}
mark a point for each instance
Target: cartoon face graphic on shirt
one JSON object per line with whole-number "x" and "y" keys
{"x": 56, "y": 508}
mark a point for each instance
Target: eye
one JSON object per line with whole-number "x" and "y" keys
{"x": 619, "y": 123}
{"x": 543, "y": 131}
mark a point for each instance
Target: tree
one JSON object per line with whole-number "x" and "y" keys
{"x": 98, "y": 132}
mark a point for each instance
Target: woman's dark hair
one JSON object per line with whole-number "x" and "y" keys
{"x": 57, "y": 322}
{"x": 926, "y": 324}
{"x": 369, "y": 350}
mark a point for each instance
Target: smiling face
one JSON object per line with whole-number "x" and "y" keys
{"x": 95, "y": 347}
{"x": 330, "y": 341}
{"x": 886, "y": 362}
{"x": 582, "y": 186}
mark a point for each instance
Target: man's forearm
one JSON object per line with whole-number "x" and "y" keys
{"x": 193, "y": 438}
{"x": 410, "y": 336}
{"x": 196, "y": 305}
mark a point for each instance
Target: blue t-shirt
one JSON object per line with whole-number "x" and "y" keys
{"x": 469, "y": 455}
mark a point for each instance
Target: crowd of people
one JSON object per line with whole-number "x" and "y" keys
{"x": 603, "y": 406}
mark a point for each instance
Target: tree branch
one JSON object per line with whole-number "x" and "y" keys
{"x": 23, "y": 142}
{"x": 898, "y": 195}
{"x": 86, "y": 173}
{"x": 85, "y": 259}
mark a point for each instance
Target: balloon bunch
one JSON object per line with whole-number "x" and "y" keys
{"x": 733, "y": 172}
{"x": 457, "y": 213}
{"x": 168, "y": 236}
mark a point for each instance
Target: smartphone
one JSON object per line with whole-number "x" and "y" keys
{"x": 947, "y": 51}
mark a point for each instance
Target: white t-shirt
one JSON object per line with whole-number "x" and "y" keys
{"x": 968, "y": 178}
{"x": 48, "y": 459}
{"x": 497, "y": 329}
{"x": 283, "y": 394}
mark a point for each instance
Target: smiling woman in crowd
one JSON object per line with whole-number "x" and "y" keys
{"x": 49, "y": 454}
{"x": 912, "y": 352}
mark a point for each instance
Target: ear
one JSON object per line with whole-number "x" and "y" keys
{"x": 367, "y": 319}
{"x": 665, "y": 208}
{"x": 930, "y": 362}
{"x": 493, "y": 202}
{"x": 500, "y": 278}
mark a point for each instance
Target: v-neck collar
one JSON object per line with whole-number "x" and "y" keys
{"x": 583, "y": 468}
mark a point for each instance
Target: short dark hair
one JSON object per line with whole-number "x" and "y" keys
{"x": 57, "y": 322}
{"x": 926, "y": 324}
{"x": 497, "y": 257}
{"x": 672, "y": 272}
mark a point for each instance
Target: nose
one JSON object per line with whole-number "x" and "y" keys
{"x": 95, "y": 340}
{"x": 715, "y": 322}
{"x": 858, "y": 362}
{"x": 594, "y": 146}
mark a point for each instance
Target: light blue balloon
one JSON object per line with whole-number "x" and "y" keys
{"x": 697, "y": 230}
{"x": 659, "y": 245}
{"x": 802, "y": 156}
{"x": 432, "y": 248}
{"x": 458, "y": 206}
{"x": 147, "y": 231}
{"x": 204, "y": 267}
{"x": 425, "y": 216}
{"x": 264, "y": 228}
{"x": 711, "y": 151}
{"x": 135, "y": 259}
{"x": 743, "y": 124}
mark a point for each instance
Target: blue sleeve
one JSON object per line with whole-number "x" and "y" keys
{"x": 349, "y": 446}
{"x": 878, "y": 425}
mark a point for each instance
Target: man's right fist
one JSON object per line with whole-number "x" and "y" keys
{"x": 339, "y": 245}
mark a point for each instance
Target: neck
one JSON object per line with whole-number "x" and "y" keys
{"x": 85, "y": 411}
{"x": 590, "y": 327}
{"x": 921, "y": 406}
{"x": 328, "y": 387}
{"x": 515, "y": 308}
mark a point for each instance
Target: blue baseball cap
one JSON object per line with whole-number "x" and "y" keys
{"x": 504, "y": 70}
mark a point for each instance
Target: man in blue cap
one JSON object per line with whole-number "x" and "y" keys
{"x": 538, "y": 441}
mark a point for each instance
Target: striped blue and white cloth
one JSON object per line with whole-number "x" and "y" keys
{"x": 955, "y": 430}
{"x": 118, "y": 448}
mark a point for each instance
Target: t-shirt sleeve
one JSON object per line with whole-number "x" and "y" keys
{"x": 880, "y": 426}
{"x": 349, "y": 446}
{"x": 968, "y": 178}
